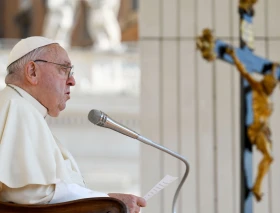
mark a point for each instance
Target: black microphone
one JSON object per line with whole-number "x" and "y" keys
{"x": 99, "y": 118}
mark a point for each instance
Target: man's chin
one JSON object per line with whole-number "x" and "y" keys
{"x": 53, "y": 114}
{"x": 56, "y": 111}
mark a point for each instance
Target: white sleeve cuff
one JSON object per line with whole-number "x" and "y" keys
{"x": 67, "y": 192}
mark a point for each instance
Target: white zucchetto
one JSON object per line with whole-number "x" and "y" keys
{"x": 27, "y": 45}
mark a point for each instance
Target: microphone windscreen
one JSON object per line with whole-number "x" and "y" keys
{"x": 94, "y": 116}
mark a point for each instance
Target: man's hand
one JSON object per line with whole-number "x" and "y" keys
{"x": 132, "y": 202}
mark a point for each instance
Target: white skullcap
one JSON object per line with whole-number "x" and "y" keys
{"x": 26, "y": 45}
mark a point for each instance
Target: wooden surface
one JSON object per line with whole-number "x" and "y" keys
{"x": 89, "y": 205}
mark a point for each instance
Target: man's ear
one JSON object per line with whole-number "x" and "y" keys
{"x": 31, "y": 73}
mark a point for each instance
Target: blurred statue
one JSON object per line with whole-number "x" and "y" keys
{"x": 206, "y": 43}
{"x": 23, "y": 18}
{"x": 59, "y": 20}
{"x": 259, "y": 132}
{"x": 103, "y": 25}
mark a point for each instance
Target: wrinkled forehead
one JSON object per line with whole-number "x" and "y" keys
{"x": 59, "y": 54}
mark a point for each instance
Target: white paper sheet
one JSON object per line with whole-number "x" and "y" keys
{"x": 159, "y": 186}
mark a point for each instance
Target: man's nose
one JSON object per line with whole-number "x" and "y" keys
{"x": 71, "y": 81}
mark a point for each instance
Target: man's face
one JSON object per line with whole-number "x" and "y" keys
{"x": 54, "y": 83}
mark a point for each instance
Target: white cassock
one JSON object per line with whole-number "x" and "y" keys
{"x": 34, "y": 166}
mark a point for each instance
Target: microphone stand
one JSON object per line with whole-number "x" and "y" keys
{"x": 101, "y": 119}
{"x": 174, "y": 154}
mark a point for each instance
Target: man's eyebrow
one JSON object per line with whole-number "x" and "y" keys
{"x": 67, "y": 63}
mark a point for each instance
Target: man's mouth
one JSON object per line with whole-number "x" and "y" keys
{"x": 68, "y": 94}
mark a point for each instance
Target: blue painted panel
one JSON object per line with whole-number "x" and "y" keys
{"x": 248, "y": 165}
{"x": 252, "y": 62}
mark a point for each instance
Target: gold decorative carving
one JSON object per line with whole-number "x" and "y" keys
{"x": 247, "y": 5}
{"x": 259, "y": 132}
{"x": 206, "y": 43}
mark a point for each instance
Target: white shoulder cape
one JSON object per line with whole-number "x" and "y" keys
{"x": 29, "y": 153}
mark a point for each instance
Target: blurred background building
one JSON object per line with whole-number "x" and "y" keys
{"x": 21, "y": 18}
{"x": 158, "y": 85}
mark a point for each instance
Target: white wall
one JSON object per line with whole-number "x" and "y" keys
{"x": 192, "y": 106}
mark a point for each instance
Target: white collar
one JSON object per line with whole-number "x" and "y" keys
{"x": 32, "y": 100}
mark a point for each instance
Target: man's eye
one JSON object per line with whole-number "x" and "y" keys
{"x": 64, "y": 69}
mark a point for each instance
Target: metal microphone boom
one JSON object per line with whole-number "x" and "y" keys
{"x": 99, "y": 118}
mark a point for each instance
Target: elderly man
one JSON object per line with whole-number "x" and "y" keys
{"x": 34, "y": 166}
